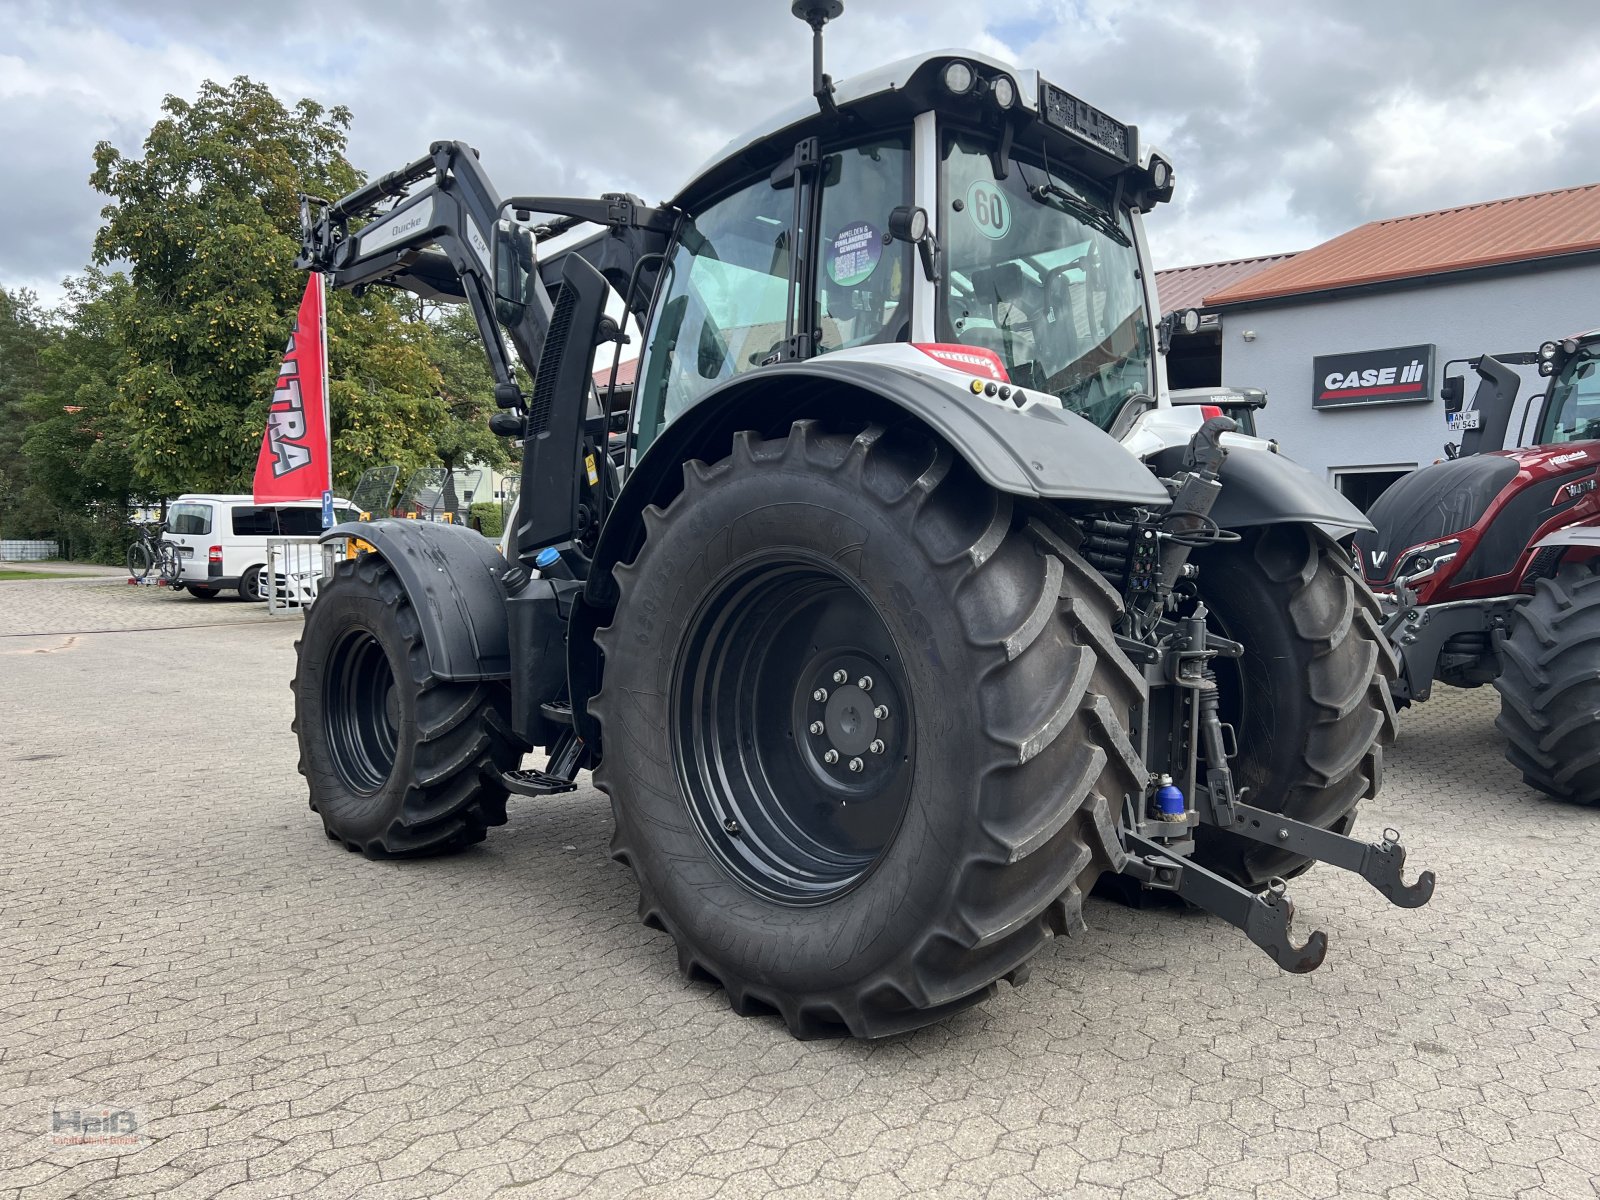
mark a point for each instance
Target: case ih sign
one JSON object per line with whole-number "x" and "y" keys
{"x": 1402, "y": 375}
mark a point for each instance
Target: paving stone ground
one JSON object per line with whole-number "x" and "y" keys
{"x": 178, "y": 938}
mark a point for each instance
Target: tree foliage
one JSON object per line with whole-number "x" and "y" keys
{"x": 208, "y": 221}
{"x": 25, "y": 334}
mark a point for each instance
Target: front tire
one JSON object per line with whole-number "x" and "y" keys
{"x": 399, "y": 761}
{"x": 1549, "y": 686}
{"x": 971, "y": 803}
{"x": 1310, "y": 700}
{"x": 140, "y": 560}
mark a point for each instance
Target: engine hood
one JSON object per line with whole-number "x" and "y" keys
{"x": 1430, "y": 504}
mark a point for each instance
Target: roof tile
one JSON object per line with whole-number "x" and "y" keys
{"x": 1187, "y": 287}
{"x": 1518, "y": 229}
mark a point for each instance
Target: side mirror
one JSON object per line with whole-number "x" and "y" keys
{"x": 514, "y": 266}
{"x": 1452, "y": 391}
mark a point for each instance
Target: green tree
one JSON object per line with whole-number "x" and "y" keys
{"x": 208, "y": 219}
{"x": 25, "y": 334}
{"x": 77, "y": 447}
{"x": 467, "y": 389}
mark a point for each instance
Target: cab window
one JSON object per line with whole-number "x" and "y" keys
{"x": 1573, "y": 413}
{"x": 862, "y": 295}
{"x": 723, "y": 304}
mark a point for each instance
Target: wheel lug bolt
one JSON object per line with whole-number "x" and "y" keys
{"x": 820, "y": 695}
{"x": 816, "y": 727}
{"x": 881, "y": 712}
{"x": 865, "y": 683}
{"x": 876, "y": 747}
{"x": 831, "y": 757}
{"x": 856, "y": 764}
{"x": 840, "y": 676}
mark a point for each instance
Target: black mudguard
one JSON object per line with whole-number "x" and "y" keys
{"x": 452, "y": 575}
{"x": 1039, "y": 452}
{"x": 1263, "y": 488}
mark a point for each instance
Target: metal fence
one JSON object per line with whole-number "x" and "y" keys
{"x": 27, "y": 551}
{"x": 296, "y": 568}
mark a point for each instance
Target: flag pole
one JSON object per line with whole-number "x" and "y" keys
{"x": 322, "y": 333}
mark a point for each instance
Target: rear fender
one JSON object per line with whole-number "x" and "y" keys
{"x": 1038, "y": 451}
{"x": 452, "y": 576}
{"x": 1263, "y": 488}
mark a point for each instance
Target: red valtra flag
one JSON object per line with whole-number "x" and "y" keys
{"x": 296, "y": 462}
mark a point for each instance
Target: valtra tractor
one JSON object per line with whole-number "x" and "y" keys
{"x": 1486, "y": 563}
{"x": 882, "y": 638}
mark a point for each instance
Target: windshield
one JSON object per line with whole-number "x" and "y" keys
{"x": 1042, "y": 273}
{"x": 1573, "y": 411}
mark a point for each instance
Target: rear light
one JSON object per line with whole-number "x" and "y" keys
{"x": 1207, "y": 411}
{"x": 214, "y": 555}
{"x": 972, "y": 360}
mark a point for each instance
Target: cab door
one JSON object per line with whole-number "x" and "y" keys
{"x": 724, "y": 305}
{"x": 794, "y": 264}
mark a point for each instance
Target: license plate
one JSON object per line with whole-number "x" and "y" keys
{"x": 185, "y": 551}
{"x": 1459, "y": 421}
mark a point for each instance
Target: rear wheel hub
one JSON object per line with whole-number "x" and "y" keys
{"x": 792, "y": 730}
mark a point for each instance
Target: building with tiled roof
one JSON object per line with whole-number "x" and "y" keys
{"x": 1187, "y": 287}
{"x": 1542, "y": 227}
{"x": 1352, "y": 337}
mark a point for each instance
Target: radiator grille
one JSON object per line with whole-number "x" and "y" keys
{"x": 544, "y": 383}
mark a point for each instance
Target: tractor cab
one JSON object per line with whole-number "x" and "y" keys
{"x": 947, "y": 212}
{"x": 1570, "y": 411}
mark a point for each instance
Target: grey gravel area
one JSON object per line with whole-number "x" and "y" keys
{"x": 277, "y": 1017}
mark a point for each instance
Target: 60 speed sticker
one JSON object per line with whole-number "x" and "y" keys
{"x": 989, "y": 210}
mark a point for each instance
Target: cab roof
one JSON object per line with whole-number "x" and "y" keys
{"x": 852, "y": 91}
{"x": 891, "y": 96}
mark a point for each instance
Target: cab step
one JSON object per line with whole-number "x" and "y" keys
{"x": 534, "y": 782}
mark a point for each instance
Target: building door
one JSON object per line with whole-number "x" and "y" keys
{"x": 1362, "y": 485}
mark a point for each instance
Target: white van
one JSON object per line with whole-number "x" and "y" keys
{"x": 222, "y": 540}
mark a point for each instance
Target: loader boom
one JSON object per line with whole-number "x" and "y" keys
{"x": 439, "y": 239}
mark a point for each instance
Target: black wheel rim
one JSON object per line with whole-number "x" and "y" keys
{"x": 360, "y": 709}
{"x": 793, "y": 729}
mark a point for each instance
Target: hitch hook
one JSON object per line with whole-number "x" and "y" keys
{"x": 1265, "y": 918}
{"x": 1383, "y": 868}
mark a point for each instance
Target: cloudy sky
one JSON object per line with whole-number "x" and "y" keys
{"x": 1289, "y": 122}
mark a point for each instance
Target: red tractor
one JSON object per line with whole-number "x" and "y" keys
{"x": 1488, "y": 565}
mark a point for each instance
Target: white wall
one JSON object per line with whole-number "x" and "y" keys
{"x": 1465, "y": 318}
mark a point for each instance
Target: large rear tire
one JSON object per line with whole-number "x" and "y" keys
{"x": 971, "y": 803}
{"x": 1310, "y": 700}
{"x": 1549, "y": 686}
{"x": 399, "y": 761}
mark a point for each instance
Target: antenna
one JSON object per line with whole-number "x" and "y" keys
{"x": 817, "y": 13}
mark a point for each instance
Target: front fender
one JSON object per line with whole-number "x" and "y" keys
{"x": 452, "y": 576}
{"x": 1263, "y": 488}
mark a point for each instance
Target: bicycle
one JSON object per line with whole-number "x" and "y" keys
{"x": 152, "y": 553}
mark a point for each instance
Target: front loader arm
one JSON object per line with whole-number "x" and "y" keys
{"x": 434, "y": 242}
{"x": 435, "y": 236}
